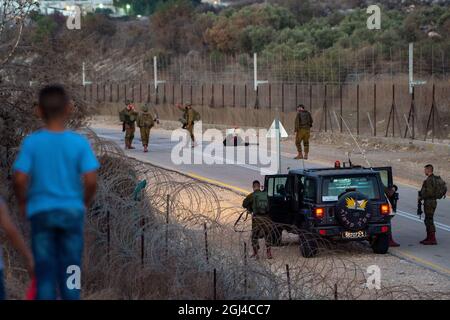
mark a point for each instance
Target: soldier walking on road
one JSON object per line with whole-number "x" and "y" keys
{"x": 190, "y": 116}
{"x": 128, "y": 117}
{"x": 303, "y": 124}
{"x": 258, "y": 204}
{"x": 145, "y": 121}
{"x": 433, "y": 188}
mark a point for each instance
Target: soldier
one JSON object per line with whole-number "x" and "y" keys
{"x": 145, "y": 121}
{"x": 257, "y": 203}
{"x": 392, "y": 195}
{"x": 128, "y": 117}
{"x": 303, "y": 124}
{"x": 189, "y": 117}
{"x": 427, "y": 194}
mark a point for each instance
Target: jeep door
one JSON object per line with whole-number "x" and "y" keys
{"x": 389, "y": 188}
{"x": 386, "y": 176}
{"x": 280, "y": 193}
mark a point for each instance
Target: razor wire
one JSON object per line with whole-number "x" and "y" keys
{"x": 169, "y": 244}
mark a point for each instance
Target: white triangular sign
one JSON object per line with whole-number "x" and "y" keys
{"x": 271, "y": 132}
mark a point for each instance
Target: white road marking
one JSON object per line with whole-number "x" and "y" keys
{"x": 415, "y": 218}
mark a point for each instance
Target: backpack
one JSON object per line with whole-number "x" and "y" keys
{"x": 197, "y": 116}
{"x": 145, "y": 120}
{"x": 260, "y": 203}
{"x": 440, "y": 188}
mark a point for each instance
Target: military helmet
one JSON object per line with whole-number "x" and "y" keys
{"x": 144, "y": 108}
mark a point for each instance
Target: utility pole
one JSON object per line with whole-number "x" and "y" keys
{"x": 255, "y": 73}
{"x": 412, "y": 111}
{"x": 412, "y": 83}
{"x": 155, "y": 73}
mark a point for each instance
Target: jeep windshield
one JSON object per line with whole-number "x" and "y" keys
{"x": 333, "y": 187}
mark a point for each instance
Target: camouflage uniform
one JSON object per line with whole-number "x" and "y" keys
{"x": 189, "y": 116}
{"x": 427, "y": 194}
{"x": 145, "y": 122}
{"x": 303, "y": 124}
{"x": 261, "y": 224}
{"x": 128, "y": 117}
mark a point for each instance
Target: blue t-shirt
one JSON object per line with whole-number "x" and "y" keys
{"x": 55, "y": 163}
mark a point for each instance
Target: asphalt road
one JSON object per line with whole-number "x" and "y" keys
{"x": 408, "y": 230}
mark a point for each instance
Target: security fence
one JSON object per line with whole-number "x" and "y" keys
{"x": 378, "y": 108}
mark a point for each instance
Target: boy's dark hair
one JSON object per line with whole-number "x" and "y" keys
{"x": 256, "y": 182}
{"x": 429, "y": 166}
{"x": 301, "y": 106}
{"x": 53, "y": 101}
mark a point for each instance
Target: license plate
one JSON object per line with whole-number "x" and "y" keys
{"x": 354, "y": 235}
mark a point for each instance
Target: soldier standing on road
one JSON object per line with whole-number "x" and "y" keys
{"x": 428, "y": 195}
{"x": 303, "y": 124}
{"x": 258, "y": 204}
{"x": 189, "y": 117}
{"x": 145, "y": 121}
{"x": 128, "y": 117}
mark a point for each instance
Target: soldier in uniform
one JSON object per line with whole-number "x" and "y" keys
{"x": 145, "y": 121}
{"x": 128, "y": 117}
{"x": 391, "y": 194}
{"x": 427, "y": 194}
{"x": 257, "y": 203}
{"x": 303, "y": 124}
{"x": 188, "y": 119}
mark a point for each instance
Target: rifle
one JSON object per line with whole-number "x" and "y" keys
{"x": 419, "y": 207}
{"x": 239, "y": 219}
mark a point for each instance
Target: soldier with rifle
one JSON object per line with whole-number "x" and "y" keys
{"x": 433, "y": 188}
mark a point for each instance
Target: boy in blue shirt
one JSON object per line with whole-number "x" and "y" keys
{"x": 55, "y": 181}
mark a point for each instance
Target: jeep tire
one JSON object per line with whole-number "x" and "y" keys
{"x": 357, "y": 218}
{"x": 380, "y": 243}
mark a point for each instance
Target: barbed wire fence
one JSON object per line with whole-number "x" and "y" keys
{"x": 369, "y": 89}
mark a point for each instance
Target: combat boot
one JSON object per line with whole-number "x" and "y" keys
{"x": 392, "y": 243}
{"x": 426, "y": 239}
{"x": 269, "y": 253}
{"x": 145, "y": 149}
{"x": 306, "y": 156}
{"x": 431, "y": 240}
{"x": 299, "y": 156}
{"x": 255, "y": 253}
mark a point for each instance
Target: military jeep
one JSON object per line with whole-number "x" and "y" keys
{"x": 339, "y": 204}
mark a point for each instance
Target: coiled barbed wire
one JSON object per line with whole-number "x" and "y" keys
{"x": 170, "y": 240}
